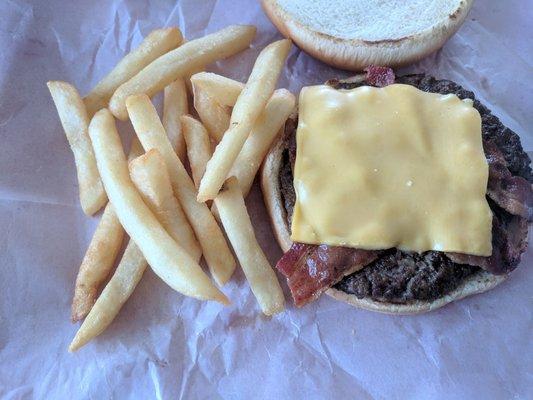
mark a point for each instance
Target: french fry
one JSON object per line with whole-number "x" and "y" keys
{"x": 136, "y": 149}
{"x": 188, "y": 76}
{"x": 149, "y": 174}
{"x": 175, "y": 104}
{"x": 156, "y": 44}
{"x": 123, "y": 281}
{"x": 75, "y": 121}
{"x": 168, "y": 260}
{"x": 224, "y": 90}
{"x": 249, "y": 105}
{"x": 214, "y": 116}
{"x": 198, "y": 146}
{"x": 152, "y": 136}
{"x": 265, "y": 130}
{"x": 100, "y": 255}
{"x": 176, "y": 63}
{"x": 97, "y": 263}
{"x": 117, "y": 291}
{"x": 259, "y": 273}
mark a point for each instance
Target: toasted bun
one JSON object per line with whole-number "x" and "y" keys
{"x": 272, "y": 194}
{"x": 270, "y": 184}
{"x": 353, "y": 34}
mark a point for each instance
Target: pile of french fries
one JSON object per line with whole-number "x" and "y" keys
{"x": 149, "y": 194}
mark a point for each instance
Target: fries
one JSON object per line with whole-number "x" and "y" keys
{"x": 168, "y": 260}
{"x": 265, "y": 130}
{"x": 117, "y": 291}
{"x": 259, "y": 273}
{"x": 100, "y": 255}
{"x": 151, "y": 196}
{"x": 156, "y": 44}
{"x": 187, "y": 77}
{"x": 214, "y": 116}
{"x": 223, "y": 90}
{"x": 198, "y": 146}
{"x": 136, "y": 149}
{"x": 75, "y": 121}
{"x": 175, "y": 105}
{"x": 123, "y": 281}
{"x": 97, "y": 263}
{"x": 249, "y": 105}
{"x": 194, "y": 54}
{"x": 152, "y": 136}
{"x": 149, "y": 174}
{"x": 226, "y": 91}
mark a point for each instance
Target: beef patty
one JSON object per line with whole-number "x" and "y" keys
{"x": 399, "y": 276}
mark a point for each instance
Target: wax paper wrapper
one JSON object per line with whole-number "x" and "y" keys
{"x": 165, "y": 346}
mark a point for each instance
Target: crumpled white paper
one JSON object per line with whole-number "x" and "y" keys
{"x": 165, "y": 346}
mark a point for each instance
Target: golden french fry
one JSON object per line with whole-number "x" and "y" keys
{"x": 223, "y": 90}
{"x": 214, "y": 116}
{"x": 97, "y": 263}
{"x": 188, "y": 76}
{"x": 175, "y": 104}
{"x": 154, "y": 45}
{"x": 117, "y": 291}
{"x": 249, "y": 105}
{"x": 168, "y": 260}
{"x": 100, "y": 256}
{"x": 149, "y": 174}
{"x": 198, "y": 146}
{"x": 152, "y": 136}
{"x": 265, "y": 130}
{"x": 267, "y": 127}
{"x": 194, "y": 54}
{"x": 259, "y": 273}
{"x": 75, "y": 121}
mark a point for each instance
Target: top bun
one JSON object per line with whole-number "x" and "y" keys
{"x": 353, "y": 34}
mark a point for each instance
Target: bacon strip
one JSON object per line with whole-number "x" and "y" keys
{"x": 512, "y": 193}
{"x": 509, "y": 233}
{"x": 509, "y": 241}
{"x": 379, "y": 76}
{"x": 310, "y": 270}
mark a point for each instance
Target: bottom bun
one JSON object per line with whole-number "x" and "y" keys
{"x": 479, "y": 282}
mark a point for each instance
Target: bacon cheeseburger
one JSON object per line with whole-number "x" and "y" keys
{"x": 396, "y": 195}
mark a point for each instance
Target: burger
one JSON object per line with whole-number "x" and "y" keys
{"x": 396, "y": 194}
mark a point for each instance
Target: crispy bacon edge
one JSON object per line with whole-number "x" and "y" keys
{"x": 312, "y": 269}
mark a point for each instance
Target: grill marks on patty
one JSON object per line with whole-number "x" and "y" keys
{"x": 397, "y": 276}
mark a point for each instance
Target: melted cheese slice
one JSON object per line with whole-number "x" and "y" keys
{"x": 390, "y": 167}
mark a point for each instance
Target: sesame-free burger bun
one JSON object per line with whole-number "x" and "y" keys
{"x": 353, "y": 34}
